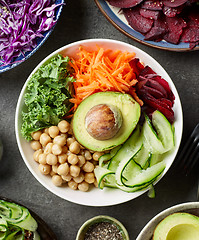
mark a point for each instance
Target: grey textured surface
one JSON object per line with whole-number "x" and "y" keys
{"x": 81, "y": 19}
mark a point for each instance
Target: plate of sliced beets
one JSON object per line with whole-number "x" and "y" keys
{"x": 165, "y": 24}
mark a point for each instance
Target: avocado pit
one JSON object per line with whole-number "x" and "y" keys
{"x": 103, "y": 121}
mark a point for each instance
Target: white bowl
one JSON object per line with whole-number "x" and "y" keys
{"x": 147, "y": 232}
{"x": 96, "y": 197}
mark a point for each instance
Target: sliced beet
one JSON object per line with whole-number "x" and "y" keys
{"x": 147, "y": 70}
{"x": 173, "y": 3}
{"x": 124, "y": 3}
{"x": 191, "y": 34}
{"x": 152, "y": 91}
{"x": 151, "y": 14}
{"x": 136, "y": 65}
{"x": 152, "y": 5}
{"x": 171, "y": 11}
{"x": 157, "y": 32}
{"x": 137, "y": 21}
{"x": 157, "y": 104}
{"x": 175, "y": 27}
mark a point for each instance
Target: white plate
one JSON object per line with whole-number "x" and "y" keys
{"x": 95, "y": 197}
{"x": 147, "y": 232}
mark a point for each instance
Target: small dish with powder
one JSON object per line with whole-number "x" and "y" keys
{"x": 102, "y": 228}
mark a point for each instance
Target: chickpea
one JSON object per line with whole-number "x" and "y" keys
{"x": 72, "y": 184}
{"x": 73, "y": 159}
{"x": 35, "y": 145}
{"x": 36, "y": 155}
{"x": 52, "y": 173}
{"x": 45, "y": 139}
{"x": 74, "y": 170}
{"x": 95, "y": 183}
{"x": 64, "y": 126}
{"x": 70, "y": 131}
{"x": 89, "y": 177}
{"x": 83, "y": 186}
{"x": 48, "y": 148}
{"x": 74, "y": 147}
{"x": 87, "y": 155}
{"x": 63, "y": 169}
{"x": 62, "y": 158}
{"x": 44, "y": 169}
{"x": 53, "y": 131}
{"x": 80, "y": 178}
{"x": 60, "y": 140}
{"x": 36, "y": 135}
{"x": 82, "y": 160}
{"x": 46, "y": 130}
{"x": 54, "y": 168}
{"x": 56, "y": 149}
{"x": 57, "y": 180}
{"x": 97, "y": 155}
{"x": 64, "y": 149}
{"x": 88, "y": 167}
{"x": 42, "y": 158}
{"x": 67, "y": 177}
{"x": 64, "y": 135}
{"x": 69, "y": 141}
{"x": 51, "y": 159}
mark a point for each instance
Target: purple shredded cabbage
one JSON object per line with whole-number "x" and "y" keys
{"x": 21, "y": 23}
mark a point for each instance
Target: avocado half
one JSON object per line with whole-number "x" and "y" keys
{"x": 129, "y": 112}
{"x": 178, "y": 226}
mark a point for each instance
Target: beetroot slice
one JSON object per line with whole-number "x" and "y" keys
{"x": 124, "y": 3}
{"x": 175, "y": 26}
{"x": 137, "y": 21}
{"x": 136, "y": 66}
{"x": 173, "y": 3}
{"x": 157, "y": 104}
{"x": 157, "y": 31}
{"x": 152, "y": 5}
{"x": 151, "y": 14}
{"x": 171, "y": 11}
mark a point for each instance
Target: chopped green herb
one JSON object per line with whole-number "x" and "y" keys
{"x": 47, "y": 97}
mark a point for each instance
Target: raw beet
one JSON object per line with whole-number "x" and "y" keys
{"x": 173, "y": 3}
{"x": 152, "y": 5}
{"x": 137, "y": 21}
{"x": 151, "y": 14}
{"x": 171, "y": 11}
{"x": 148, "y": 18}
{"x": 156, "y": 93}
{"x": 158, "y": 30}
{"x": 124, "y": 3}
{"x": 175, "y": 27}
{"x": 137, "y": 66}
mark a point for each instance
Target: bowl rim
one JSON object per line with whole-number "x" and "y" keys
{"x": 126, "y": 196}
{"x": 161, "y": 215}
{"x": 100, "y": 4}
{"x": 97, "y": 219}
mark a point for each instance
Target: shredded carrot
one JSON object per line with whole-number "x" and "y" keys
{"x": 102, "y": 70}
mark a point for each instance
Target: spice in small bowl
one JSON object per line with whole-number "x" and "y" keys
{"x": 102, "y": 228}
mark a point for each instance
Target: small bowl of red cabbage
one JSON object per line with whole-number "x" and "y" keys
{"x": 25, "y": 25}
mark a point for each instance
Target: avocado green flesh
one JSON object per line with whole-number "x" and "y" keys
{"x": 130, "y": 111}
{"x": 178, "y": 226}
{"x": 183, "y": 232}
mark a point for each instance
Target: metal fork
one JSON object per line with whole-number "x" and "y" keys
{"x": 189, "y": 156}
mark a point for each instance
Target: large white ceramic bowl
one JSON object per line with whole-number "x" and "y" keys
{"x": 147, "y": 232}
{"x": 95, "y": 197}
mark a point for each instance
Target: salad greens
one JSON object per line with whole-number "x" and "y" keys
{"x": 47, "y": 96}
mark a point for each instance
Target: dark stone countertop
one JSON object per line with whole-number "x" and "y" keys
{"x": 81, "y": 19}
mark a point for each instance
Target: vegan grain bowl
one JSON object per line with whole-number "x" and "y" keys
{"x": 100, "y": 117}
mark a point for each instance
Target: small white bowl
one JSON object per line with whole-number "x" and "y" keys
{"x": 107, "y": 196}
{"x": 147, "y": 232}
